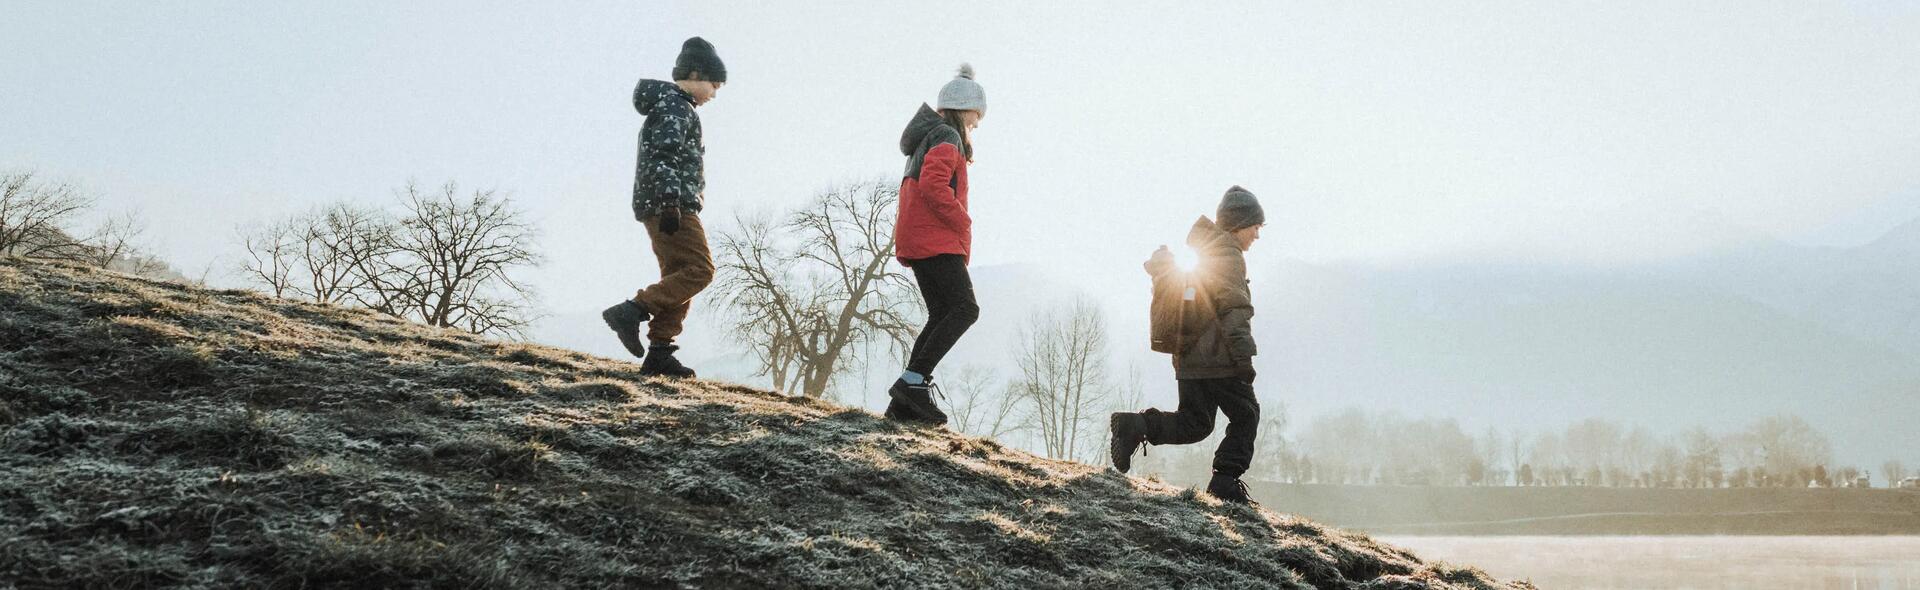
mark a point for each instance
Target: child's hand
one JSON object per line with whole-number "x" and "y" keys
{"x": 1161, "y": 258}
{"x": 670, "y": 220}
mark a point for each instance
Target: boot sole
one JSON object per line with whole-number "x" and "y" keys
{"x": 1121, "y": 463}
{"x": 614, "y": 323}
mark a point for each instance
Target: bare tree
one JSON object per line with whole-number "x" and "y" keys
{"x": 337, "y": 244}
{"x": 1063, "y": 365}
{"x": 1701, "y": 462}
{"x": 1131, "y": 396}
{"x": 1893, "y": 472}
{"x": 1593, "y": 447}
{"x": 1492, "y": 449}
{"x": 1637, "y": 452}
{"x": 1549, "y": 461}
{"x": 450, "y": 260}
{"x": 114, "y": 244}
{"x": 1343, "y": 446}
{"x": 34, "y": 215}
{"x": 982, "y": 404}
{"x": 36, "y": 218}
{"x": 808, "y": 293}
{"x": 1788, "y": 446}
{"x": 113, "y": 240}
{"x": 1517, "y": 450}
{"x": 1669, "y": 464}
{"x": 1274, "y": 453}
{"x": 272, "y": 255}
{"x": 445, "y": 260}
{"x": 1845, "y": 477}
{"x": 324, "y": 256}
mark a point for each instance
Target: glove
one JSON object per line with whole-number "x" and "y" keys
{"x": 1246, "y": 373}
{"x": 1161, "y": 258}
{"x": 670, "y": 220}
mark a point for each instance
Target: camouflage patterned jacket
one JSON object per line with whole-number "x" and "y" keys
{"x": 672, "y": 156}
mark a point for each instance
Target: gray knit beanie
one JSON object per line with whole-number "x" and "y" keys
{"x": 964, "y": 94}
{"x": 1239, "y": 210}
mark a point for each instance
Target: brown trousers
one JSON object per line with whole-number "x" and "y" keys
{"x": 686, "y": 268}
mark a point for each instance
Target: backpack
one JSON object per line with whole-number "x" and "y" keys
{"x": 1181, "y": 310}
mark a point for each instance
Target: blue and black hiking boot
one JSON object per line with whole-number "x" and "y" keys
{"x": 625, "y": 318}
{"x": 1229, "y": 488}
{"x": 660, "y": 363}
{"x": 1127, "y": 431}
{"x": 914, "y": 403}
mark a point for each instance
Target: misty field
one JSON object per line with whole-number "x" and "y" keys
{"x": 1886, "y": 563}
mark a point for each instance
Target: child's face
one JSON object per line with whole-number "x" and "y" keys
{"x": 1247, "y": 236}
{"x": 701, "y": 90}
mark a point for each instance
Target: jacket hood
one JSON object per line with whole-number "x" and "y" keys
{"x": 650, "y": 94}
{"x": 1205, "y": 233}
{"x": 923, "y": 123}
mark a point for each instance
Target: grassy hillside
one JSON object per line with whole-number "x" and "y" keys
{"x": 155, "y": 434}
{"x": 1602, "y": 511}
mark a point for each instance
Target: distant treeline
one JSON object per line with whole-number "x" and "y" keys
{"x": 1508, "y": 510}
{"x": 1361, "y": 447}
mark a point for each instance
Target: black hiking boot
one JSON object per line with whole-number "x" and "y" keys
{"x": 915, "y": 403}
{"x": 660, "y": 363}
{"x": 1127, "y": 431}
{"x": 895, "y": 411}
{"x": 1230, "y": 489}
{"x": 625, "y": 318}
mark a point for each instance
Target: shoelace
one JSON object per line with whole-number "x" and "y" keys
{"x": 941, "y": 393}
{"x": 1240, "y": 487}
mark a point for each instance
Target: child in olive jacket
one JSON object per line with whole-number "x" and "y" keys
{"x": 1215, "y": 370}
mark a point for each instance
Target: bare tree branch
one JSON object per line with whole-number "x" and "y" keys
{"x": 445, "y": 260}
{"x": 809, "y": 292}
{"x": 1063, "y": 375}
{"x": 34, "y": 216}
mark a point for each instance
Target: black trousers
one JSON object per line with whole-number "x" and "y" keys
{"x": 1199, "y": 398}
{"x": 951, "y": 309}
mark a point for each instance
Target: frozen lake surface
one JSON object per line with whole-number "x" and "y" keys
{"x": 1685, "y": 562}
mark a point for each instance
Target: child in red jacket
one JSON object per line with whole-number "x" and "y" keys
{"x": 933, "y": 236}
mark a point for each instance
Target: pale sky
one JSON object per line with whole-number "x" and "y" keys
{"x": 1383, "y": 132}
{"x": 1410, "y": 134}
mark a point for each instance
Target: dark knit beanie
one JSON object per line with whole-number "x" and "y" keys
{"x": 1239, "y": 210}
{"x": 696, "y": 55}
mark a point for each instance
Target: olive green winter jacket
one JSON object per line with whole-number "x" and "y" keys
{"x": 1223, "y": 348}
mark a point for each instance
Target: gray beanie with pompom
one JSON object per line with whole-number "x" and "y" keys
{"x": 963, "y": 94}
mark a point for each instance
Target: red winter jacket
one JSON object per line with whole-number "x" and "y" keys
{"x": 933, "y": 216}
